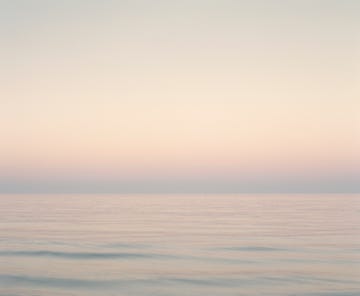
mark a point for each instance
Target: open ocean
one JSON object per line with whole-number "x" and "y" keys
{"x": 179, "y": 245}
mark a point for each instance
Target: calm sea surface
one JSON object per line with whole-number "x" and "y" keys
{"x": 216, "y": 245}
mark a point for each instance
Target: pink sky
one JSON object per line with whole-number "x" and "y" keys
{"x": 110, "y": 91}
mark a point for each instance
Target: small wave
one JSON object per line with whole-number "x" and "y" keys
{"x": 76, "y": 283}
{"x": 79, "y": 255}
{"x": 254, "y": 249}
{"x": 56, "y": 282}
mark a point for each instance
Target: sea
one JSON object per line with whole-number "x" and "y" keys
{"x": 180, "y": 245}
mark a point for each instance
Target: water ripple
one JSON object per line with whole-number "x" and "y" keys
{"x": 81, "y": 255}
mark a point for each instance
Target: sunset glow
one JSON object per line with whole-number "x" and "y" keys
{"x": 196, "y": 95}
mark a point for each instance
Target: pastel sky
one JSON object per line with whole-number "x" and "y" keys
{"x": 180, "y": 96}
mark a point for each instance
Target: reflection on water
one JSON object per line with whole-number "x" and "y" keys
{"x": 229, "y": 245}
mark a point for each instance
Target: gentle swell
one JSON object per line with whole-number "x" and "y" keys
{"x": 56, "y": 282}
{"x": 254, "y": 249}
{"x": 71, "y": 283}
{"x": 113, "y": 256}
{"x": 79, "y": 255}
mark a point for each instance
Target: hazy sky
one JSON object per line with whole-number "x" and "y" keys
{"x": 179, "y": 96}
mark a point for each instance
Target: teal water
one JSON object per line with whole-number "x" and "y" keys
{"x": 172, "y": 245}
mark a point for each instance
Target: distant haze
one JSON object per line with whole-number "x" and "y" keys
{"x": 179, "y": 96}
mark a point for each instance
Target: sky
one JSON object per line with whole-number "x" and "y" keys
{"x": 179, "y": 96}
